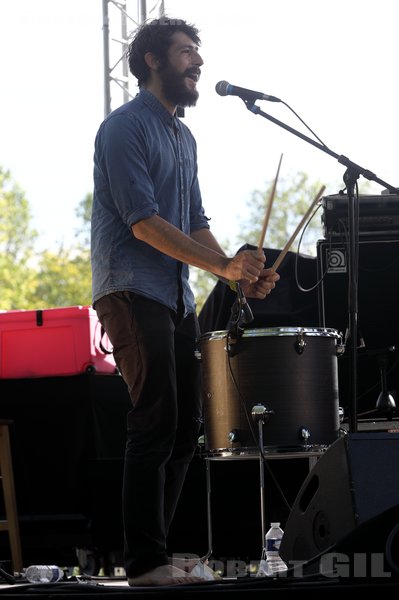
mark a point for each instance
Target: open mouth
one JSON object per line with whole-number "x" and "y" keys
{"x": 193, "y": 76}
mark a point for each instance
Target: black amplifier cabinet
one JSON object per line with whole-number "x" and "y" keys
{"x": 378, "y": 314}
{"x": 378, "y": 215}
{"x": 378, "y": 282}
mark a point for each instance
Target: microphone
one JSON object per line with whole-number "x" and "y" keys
{"x": 224, "y": 88}
{"x": 247, "y": 315}
{"x": 241, "y": 314}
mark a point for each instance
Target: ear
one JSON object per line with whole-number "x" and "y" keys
{"x": 151, "y": 61}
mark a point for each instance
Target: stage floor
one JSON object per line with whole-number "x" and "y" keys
{"x": 111, "y": 589}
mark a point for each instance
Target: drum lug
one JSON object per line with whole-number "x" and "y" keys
{"x": 304, "y": 433}
{"x": 234, "y": 436}
{"x": 261, "y": 413}
{"x": 300, "y": 343}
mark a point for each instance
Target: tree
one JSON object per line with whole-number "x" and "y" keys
{"x": 294, "y": 194}
{"x": 202, "y": 283}
{"x": 65, "y": 275}
{"x": 17, "y": 240}
{"x": 293, "y": 197}
{"x": 63, "y": 279}
{"x": 48, "y": 279}
{"x": 83, "y": 212}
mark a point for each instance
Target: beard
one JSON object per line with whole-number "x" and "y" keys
{"x": 175, "y": 89}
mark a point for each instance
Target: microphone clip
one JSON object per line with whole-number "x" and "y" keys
{"x": 241, "y": 314}
{"x": 246, "y": 315}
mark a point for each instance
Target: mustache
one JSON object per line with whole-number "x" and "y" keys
{"x": 192, "y": 71}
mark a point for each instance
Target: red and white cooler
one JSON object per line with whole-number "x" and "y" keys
{"x": 53, "y": 342}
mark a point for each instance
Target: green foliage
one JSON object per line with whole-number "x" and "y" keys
{"x": 17, "y": 239}
{"x": 48, "y": 279}
{"x": 83, "y": 212}
{"x": 65, "y": 279}
{"x": 294, "y": 195}
{"x": 202, "y": 283}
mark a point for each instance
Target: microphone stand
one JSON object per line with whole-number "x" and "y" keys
{"x": 352, "y": 173}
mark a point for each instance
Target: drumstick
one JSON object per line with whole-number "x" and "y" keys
{"x": 284, "y": 251}
{"x": 269, "y": 207}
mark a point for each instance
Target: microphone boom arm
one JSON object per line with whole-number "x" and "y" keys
{"x": 340, "y": 158}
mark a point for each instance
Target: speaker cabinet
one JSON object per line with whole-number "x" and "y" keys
{"x": 378, "y": 276}
{"x": 351, "y": 486}
{"x": 378, "y": 315}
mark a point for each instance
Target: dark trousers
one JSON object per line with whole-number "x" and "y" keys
{"x": 154, "y": 350}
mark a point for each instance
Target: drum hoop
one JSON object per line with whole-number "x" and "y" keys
{"x": 276, "y": 331}
{"x": 249, "y": 452}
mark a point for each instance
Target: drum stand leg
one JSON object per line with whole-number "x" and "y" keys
{"x": 262, "y": 480}
{"x": 262, "y": 495}
{"x": 208, "y": 507}
{"x": 261, "y": 421}
{"x": 260, "y": 415}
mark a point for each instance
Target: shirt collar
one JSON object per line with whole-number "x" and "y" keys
{"x": 157, "y": 106}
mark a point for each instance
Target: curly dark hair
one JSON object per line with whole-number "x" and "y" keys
{"x": 155, "y": 36}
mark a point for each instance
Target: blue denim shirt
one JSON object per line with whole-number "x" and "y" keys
{"x": 145, "y": 163}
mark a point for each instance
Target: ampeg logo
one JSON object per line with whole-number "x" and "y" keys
{"x": 336, "y": 261}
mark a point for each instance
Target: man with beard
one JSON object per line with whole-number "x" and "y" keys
{"x": 148, "y": 225}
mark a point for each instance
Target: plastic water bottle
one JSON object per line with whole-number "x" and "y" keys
{"x": 43, "y": 573}
{"x": 273, "y": 541}
{"x": 271, "y": 563}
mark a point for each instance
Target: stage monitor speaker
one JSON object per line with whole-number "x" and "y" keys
{"x": 349, "y": 490}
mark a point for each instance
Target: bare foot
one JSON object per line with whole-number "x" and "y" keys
{"x": 185, "y": 563}
{"x": 164, "y": 575}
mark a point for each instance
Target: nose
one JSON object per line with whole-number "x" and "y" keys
{"x": 198, "y": 59}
